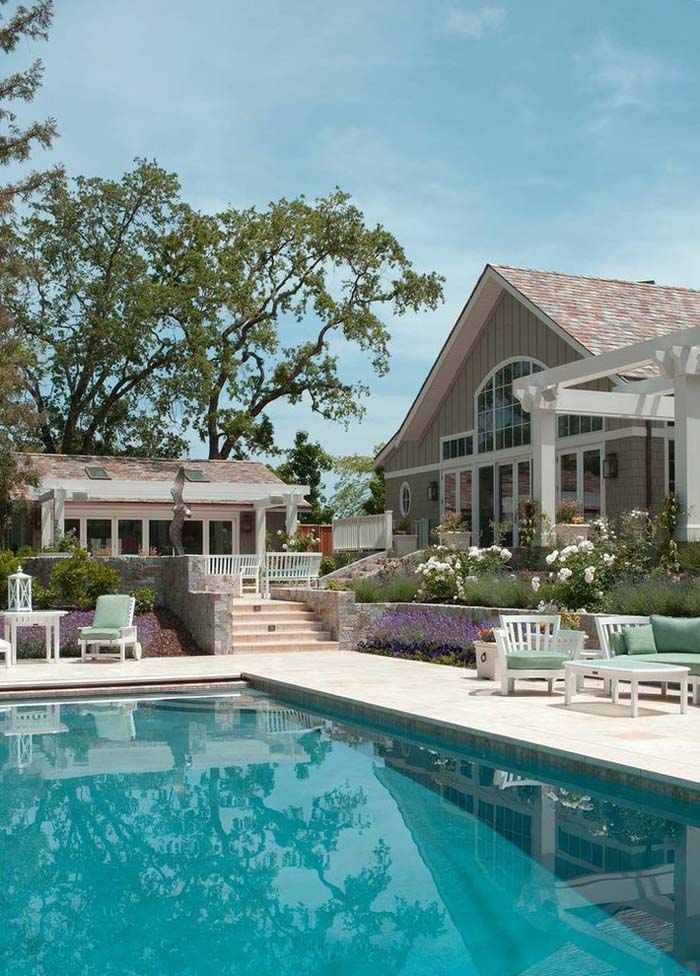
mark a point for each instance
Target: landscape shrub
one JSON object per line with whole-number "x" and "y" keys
{"x": 80, "y": 579}
{"x": 499, "y": 591}
{"x": 445, "y": 574}
{"x": 145, "y": 599}
{"x": 401, "y": 588}
{"x": 668, "y": 597}
{"x": 420, "y": 634}
{"x": 579, "y": 574}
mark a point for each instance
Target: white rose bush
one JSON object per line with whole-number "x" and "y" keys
{"x": 579, "y": 574}
{"x": 446, "y": 573}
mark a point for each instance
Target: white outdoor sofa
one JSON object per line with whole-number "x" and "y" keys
{"x": 534, "y": 646}
{"x": 609, "y": 627}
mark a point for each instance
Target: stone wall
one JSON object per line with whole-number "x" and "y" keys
{"x": 182, "y": 586}
{"x": 336, "y": 609}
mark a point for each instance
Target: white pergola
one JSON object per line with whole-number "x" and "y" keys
{"x": 672, "y": 396}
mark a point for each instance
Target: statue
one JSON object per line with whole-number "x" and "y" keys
{"x": 181, "y": 511}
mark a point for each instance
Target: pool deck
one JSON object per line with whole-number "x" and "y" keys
{"x": 661, "y": 745}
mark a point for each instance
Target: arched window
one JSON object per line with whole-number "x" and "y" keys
{"x": 501, "y": 420}
{"x": 405, "y": 499}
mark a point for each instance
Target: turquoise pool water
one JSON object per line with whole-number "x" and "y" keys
{"x": 240, "y": 835}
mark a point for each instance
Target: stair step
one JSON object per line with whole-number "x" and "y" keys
{"x": 285, "y": 627}
{"x": 281, "y": 640}
{"x": 260, "y": 647}
{"x": 269, "y": 606}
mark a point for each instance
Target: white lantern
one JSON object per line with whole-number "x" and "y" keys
{"x": 19, "y": 591}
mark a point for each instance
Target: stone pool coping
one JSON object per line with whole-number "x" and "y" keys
{"x": 659, "y": 750}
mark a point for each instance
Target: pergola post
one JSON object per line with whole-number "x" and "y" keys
{"x": 687, "y": 446}
{"x": 291, "y": 521}
{"x": 260, "y": 528}
{"x": 544, "y": 468}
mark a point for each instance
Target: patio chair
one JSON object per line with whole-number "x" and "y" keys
{"x": 6, "y": 649}
{"x": 112, "y": 627}
{"x": 528, "y": 648}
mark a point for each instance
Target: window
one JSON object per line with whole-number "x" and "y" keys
{"x": 449, "y": 492}
{"x": 465, "y": 498}
{"x": 71, "y": 526}
{"x": 129, "y": 536}
{"x": 568, "y": 425}
{"x": 671, "y": 467}
{"x": 99, "y": 536}
{"x": 159, "y": 537}
{"x": 192, "y": 538}
{"x": 98, "y": 474}
{"x": 501, "y": 420}
{"x": 220, "y": 538}
{"x": 405, "y": 499}
{"x": 568, "y": 479}
{"x": 591, "y": 485}
{"x": 457, "y": 447}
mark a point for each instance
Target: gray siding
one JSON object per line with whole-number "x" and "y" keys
{"x": 421, "y": 508}
{"x": 510, "y": 330}
{"x": 628, "y": 490}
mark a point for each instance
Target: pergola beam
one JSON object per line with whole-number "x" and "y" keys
{"x": 595, "y": 403}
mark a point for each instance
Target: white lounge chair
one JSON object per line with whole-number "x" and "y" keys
{"x": 527, "y": 648}
{"x": 112, "y": 627}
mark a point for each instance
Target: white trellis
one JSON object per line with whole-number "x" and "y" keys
{"x": 672, "y": 396}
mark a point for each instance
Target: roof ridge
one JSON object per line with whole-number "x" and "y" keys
{"x": 580, "y": 277}
{"x": 136, "y": 457}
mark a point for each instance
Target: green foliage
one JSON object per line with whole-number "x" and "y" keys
{"x": 667, "y": 526}
{"x": 335, "y": 561}
{"x": 499, "y": 591}
{"x": 306, "y": 464}
{"x": 568, "y": 513}
{"x": 667, "y": 596}
{"x": 528, "y": 522}
{"x": 9, "y": 564}
{"x": 80, "y": 579}
{"x": 359, "y": 488}
{"x": 145, "y": 599}
{"x": 396, "y": 589}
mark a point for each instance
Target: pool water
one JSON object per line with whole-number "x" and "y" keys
{"x": 240, "y": 835}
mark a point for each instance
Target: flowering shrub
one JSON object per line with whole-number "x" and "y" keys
{"x": 451, "y": 522}
{"x": 579, "y": 574}
{"x": 299, "y": 542}
{"x": 445, "y": 574}
{"x": 423, "y": 635}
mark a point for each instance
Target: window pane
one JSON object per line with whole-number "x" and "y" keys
{"x": 192, "y": 538}
{"x": 486, "y": 511}
{"x": 99, "y": 536}
{"x": 158, "y": 538}
{"x": 129, "y": 536}
{"x": 505, "y": 501}
{"x": 220, "y": 538}
{"x": 72, "y": 527}
{"x": 523, "y": 480}
{"x": 567, "y": 478}
{"x": 591, "y": 484}
{"x": 465, "y": 497}
{"x": 449, "y": 500}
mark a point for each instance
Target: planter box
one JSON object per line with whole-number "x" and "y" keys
{"x": 455, "y": 540}
{"x": 403, "y": 544}
{"x": 486, "y": 660}
{"x": 568, "y": 534}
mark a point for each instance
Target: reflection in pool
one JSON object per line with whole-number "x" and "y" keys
{"x": 240, "y": 835}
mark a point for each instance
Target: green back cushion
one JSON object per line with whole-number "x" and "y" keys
{"x": 676, "y": 634}
{"x": 112, "y": 612}
{"x": 639, "y": 639}
{"x": 618, "y": 643}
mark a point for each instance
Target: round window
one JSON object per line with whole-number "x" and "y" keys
{"x": 405, "y": 499}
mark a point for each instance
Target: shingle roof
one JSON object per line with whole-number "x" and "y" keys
{"x": 66, "y": 466}
{"x": 604, "y": 313}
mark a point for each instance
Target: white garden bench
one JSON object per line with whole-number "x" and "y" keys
{"x": 291, "y": 567}
{"x": 247, "y": 567}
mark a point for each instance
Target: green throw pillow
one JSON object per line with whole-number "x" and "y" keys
{"x": 618, "y": 643}
{"x": 676, "y": 635}
{"x": 639, "y": 639}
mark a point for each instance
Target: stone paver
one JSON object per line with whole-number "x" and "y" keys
{"x": 661, "y": 742}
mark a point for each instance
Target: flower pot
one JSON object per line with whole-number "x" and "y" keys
{"x": 567, "y": 533}
{"x": 455, "y": 540}
{"x": 486, "y": 660}
{"x": 404, "y": 544}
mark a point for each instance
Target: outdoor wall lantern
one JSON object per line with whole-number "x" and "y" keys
{"x": 610, "y": 466}
{"x": 433, "y": 491}
{"x": 19, "y": 591}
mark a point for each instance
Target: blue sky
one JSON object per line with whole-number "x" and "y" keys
{"x": 540, "y": 133}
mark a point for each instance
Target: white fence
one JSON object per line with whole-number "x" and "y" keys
{"x": 363, "y": 532}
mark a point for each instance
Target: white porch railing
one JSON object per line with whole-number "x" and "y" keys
{"x": 363, "y": 532}
{"x": 248, "y": 567}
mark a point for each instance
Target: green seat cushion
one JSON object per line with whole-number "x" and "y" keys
{"x": 676, "y": 634}
{"x": 618, "y": 644}
{"x": 685, "y": 660}
{"x": 639, "y": 639}
{"x": 99, "y": 633}
{"x": 536, "y": 662}
{"x": 112, "y": 611}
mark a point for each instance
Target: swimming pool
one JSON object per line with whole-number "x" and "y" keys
{"x": 238, "y": 834}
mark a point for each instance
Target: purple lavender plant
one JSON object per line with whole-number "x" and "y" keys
{"x": 31, "y": 640}
{"x": 422, "y": 634}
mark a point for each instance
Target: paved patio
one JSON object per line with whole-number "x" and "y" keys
{"x": 661, "y": 743}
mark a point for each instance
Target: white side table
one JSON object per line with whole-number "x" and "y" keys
{"x": 50, "y": 620}
{"x": 615, "y": 670}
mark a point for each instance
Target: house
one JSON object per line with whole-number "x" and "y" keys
{"x": 123, "y": 506}
{"x": 466, "y": 444}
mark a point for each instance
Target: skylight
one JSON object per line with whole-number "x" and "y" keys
{"x": 98, "y": 473}
{"x": 195, "y": 474}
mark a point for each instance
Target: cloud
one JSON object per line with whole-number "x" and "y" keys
{"x": 476, "y": 23}
{"x": 623, "y": 78}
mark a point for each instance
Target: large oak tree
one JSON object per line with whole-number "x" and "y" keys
{"x": 155, "y": 320}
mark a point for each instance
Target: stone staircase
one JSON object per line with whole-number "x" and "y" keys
{"x": 261, "y": 626}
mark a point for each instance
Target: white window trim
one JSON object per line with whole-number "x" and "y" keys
{"x": 579, "y": 451}
{"x": 486, "y": 380}
{"x": 405, "y": 512}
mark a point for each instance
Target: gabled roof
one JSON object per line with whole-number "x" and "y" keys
{"x": 594, "y": 315}
{"x": 72, "y": 467}
{"x": 606, "y": 313}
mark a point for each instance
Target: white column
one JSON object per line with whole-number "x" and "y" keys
{"x": 59, "y": 516}
{"x": 145, "y": 537}
{"x": 260, "y": 529}
{"x": 544, "y": 467}
{"x": 687, "y": 438}
{"x": 47, "y": 521}
{"x": 291, "y": 523}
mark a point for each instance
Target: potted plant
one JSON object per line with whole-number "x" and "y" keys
{"x": 453, "y": 532}
{"x": 570, "y": 525}
{"x": 486, "y": 653}
{"x": 404, "y": 540}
